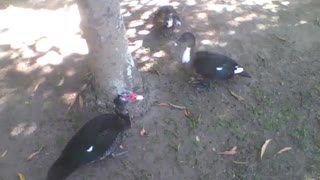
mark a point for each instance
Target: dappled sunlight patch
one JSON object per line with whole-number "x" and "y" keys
{"x": 70, "y": 72}
{"x": 33, "y": 32}
{"x": 145, "y": 58}
{"x": 24, "y": 129}
{"x": 191, "y": 2}
{"x": 73, "y": 44}
{"x": 68, "y": 98}
{"x": 46, "y": 69}
{"x": 43, "y": 45}
{"x": 136, "y": 23}
{"x": 206, "y": 42}
{"x": 133, "y": 3}
{"x": 285, "y": 3}
{"x": 143, "y": 32}
{"x": 256, "y": 2}
{"x": 137, "y": 7}
{"x": 223, "y": 44}
{"x": 261, "y": 26}
{"x": 131, "y": 33}
{"x": 159, "y": 54}
{"x": 140, "y": 53}
{"x": 146, "y": 15}
{"x": 125, "y": 13}
{"x": 25, "y": 67}
{"x": 272, "y": 7}
{"x": 147, "y": 66}
{"x": 232, "y": 32}
{"x": 52, "y": 57}
{"x": 301, "y": 23}
{"x": 135, "y": 45}
{"x": 202, "y": 15}
{"x": 220, "y": 8}
{"x": 27, "y": 53}
{"x": 245, "y": 18}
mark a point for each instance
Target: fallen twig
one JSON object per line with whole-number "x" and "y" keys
{"x": 31, "y": 156}
{"x": 77, "y": 95}
{"x": 238, "y": 97}
{"x": 282, "y": 39}
{"x": 240, "y": 162}
{"x": 4, "y": 153}
{"x": 173, "y": 105}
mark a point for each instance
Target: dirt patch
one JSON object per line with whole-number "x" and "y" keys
{"x": 277, "y": 42}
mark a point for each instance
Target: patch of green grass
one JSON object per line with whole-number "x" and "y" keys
{"x": 271, "y": 112}
{"x": 155, "y": 68}
{"x": 193, "y": 122}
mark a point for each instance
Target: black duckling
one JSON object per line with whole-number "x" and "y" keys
{"x": 208, "y": 65}
{"x": 99, "y": 138}
{"x": 165, "y": 20}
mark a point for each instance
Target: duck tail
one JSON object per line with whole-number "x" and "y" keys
{"x": 244, "y": 74}
{"x": 241, "y": 72}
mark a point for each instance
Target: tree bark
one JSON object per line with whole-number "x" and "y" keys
{"x": 110, "y": 60}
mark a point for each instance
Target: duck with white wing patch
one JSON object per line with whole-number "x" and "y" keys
{"x": 207, "y": 64}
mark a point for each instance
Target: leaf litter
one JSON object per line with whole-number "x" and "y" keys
{"x": 284, "y": 150}
{"x": 143, "y": 132}
{"x": 21, "y": 176}
{"x": 264, "y": 147}
{"x": 238, "y": 97}
{"x": 32, "y": 155}
{"x": 4, "y": 153}
{"x": 232, "y": 151}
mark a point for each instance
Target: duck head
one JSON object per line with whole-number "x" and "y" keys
{"x": 188, "y": 40}
{"x": 123, "y": 99}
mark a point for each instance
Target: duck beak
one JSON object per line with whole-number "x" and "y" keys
{"x": 134, "y": 97}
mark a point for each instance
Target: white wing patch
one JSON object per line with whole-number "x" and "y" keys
{"x": 186, "y": 55}
{"x": 90, "y": 149}
{"x": 170, "y": 23}
{"x": 219, "y": 68}
{"x": 238, "y": 70}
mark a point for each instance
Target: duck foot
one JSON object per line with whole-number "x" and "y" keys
{"x": 119, "y": 153}
{"x": 199, "y": 84}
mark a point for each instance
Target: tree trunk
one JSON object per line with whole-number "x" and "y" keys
{"x": 110, "y": 60}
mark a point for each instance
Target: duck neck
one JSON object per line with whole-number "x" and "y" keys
{"x": 122, "y": 113}
{"x": 187, "y": 55}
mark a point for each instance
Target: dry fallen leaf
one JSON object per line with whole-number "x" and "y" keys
{"x": 230, "y": 152}
{"x": 240, "y": 162}
{"x": 4, "y": 153}
{"x": 197, "y": 138}
{"x": 143, "y": 132}
{"x": 31, "y": 156}
{"x": 80, "y": 102}
{"x": 21, "y": 176}
{"x": 236, "y": 95}
{"x": 284, "y": 150}
{"x": 187, "y": 113}
{"x": 38, "y": 84}
{"x": 264, "y": 146}
{"x": 172, "y": 105}
{"x": 61, "y": 82}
